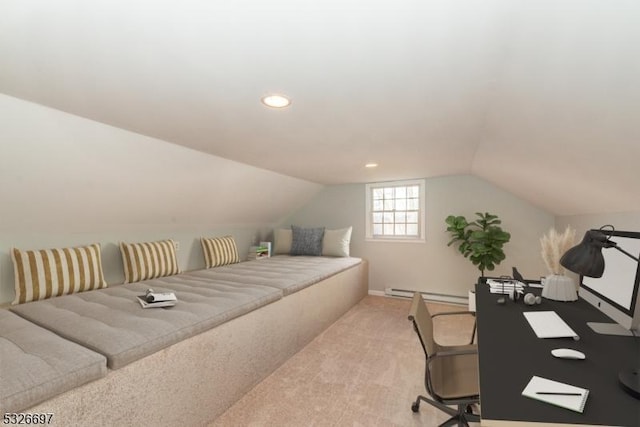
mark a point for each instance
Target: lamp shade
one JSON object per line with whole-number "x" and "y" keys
{"x": 586, "y": 257}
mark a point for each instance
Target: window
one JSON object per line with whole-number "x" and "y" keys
{"x": 395, "y": 211}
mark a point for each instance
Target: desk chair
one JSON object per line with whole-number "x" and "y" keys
{"x": 451, "y": 373}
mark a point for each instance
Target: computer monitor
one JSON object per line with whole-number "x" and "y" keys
{"x": 616, "y": 292}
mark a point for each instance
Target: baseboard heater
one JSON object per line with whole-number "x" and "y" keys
{"x": 429, "y": 296}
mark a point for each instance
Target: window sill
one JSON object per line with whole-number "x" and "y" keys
{"x": 392, "y": 240}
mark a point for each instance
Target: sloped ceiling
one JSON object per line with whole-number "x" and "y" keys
{"x": 541, "y": 98}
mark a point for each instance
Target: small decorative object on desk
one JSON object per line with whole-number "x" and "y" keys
{"x": 557, "y": 286}
{"x": 153, "y": 299}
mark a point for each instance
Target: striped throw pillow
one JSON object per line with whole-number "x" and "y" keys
{"x": 219, "y": 251}
{"x": 143, "y": 261}
{"x": 46, "y": 273}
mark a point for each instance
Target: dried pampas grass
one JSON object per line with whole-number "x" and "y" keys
{"x": 554, "y": 245}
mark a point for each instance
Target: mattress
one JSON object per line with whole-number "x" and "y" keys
{"x": 111, "y": 321}
{"x": 287, "y": 273}
{"x": 36, "y": 364}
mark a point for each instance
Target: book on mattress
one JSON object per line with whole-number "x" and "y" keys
{"x": 156, "y": 299}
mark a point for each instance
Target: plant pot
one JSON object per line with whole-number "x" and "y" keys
{"x": 559, "y": 288}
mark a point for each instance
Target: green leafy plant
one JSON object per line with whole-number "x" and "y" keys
{"x": 481, "y": 240}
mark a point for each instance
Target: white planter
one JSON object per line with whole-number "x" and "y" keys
{"x": 559, "y": 288}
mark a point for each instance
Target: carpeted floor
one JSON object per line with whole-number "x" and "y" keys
{"x": 364, "y": 370}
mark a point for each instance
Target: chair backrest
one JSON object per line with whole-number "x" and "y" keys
{"x": 435, "y": 375}
{"x": 421, "y": 318}
{"x": 446, "y": 377}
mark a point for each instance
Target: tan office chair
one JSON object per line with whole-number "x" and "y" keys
{"x": 451, "y": 373}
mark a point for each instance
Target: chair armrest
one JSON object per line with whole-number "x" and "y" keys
{"x": 458, "y": 352}
{"x": 451, "y": 313}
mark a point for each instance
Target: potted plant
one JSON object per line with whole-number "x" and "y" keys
{"x": 481, "y": 240}
{"x": 557, "y": 286}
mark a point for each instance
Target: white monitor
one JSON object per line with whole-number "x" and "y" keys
{"x": 616, "y": 292}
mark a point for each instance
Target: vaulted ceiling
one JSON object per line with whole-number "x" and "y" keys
{"x": 539, "y": 97}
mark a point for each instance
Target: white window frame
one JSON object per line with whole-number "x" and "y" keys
{"x": 369, "y": 236}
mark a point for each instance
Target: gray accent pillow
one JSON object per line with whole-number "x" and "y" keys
{"x": 306, "y": 241}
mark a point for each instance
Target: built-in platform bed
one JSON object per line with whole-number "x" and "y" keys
{"x": 184, "y": 365}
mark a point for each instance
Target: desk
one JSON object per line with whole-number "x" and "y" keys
{"x": 510, "y": 354}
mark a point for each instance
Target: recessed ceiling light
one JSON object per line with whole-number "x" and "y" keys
{"x": 276, "y": 101}
{"x": 371, "y": 165}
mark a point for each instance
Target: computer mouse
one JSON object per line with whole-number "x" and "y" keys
{"x": 567, "y": 353}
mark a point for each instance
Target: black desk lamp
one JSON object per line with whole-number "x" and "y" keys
{"x": 586, "y": 259}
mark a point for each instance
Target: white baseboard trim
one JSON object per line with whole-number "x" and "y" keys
{"x": 377, "y": 293}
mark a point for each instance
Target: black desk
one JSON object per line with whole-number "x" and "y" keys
{"x": 510, "y": 354}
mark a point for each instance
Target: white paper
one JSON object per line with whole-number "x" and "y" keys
{"x": 539, "y": 384}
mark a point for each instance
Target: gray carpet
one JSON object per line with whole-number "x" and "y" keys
{"x": 364, "y": 370}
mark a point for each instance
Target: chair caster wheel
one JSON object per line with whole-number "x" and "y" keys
{"x": 415, "y": 406}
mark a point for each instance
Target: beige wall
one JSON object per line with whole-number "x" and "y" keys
{"x": 432, "y": 266}
{"x": 69, "y": 181}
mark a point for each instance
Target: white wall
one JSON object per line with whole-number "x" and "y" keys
{"x": 625, "y": 221}
{"x": 67, "y": 181}
{"x": 433, "y": 266}
{"x": 71, "y": 181}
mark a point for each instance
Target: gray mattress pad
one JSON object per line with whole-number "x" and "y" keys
{"x": 288, "y": 273}
{"x": 111, "y": 322}
{"x": 36, "y": 364}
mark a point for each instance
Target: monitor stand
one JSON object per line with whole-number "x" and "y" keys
{"x": 630, "y": 381}
{"x": 609, "y": 329}
{"x": 629, "y": 378}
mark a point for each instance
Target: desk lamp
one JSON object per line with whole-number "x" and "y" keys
{"x": 586, "y": 259}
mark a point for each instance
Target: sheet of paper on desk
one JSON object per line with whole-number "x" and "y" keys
{"x": 547, "y": 324}
{"x": 556, "y": 393}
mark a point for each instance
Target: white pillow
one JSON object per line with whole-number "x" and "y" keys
{"x": 336, "y": 242}
{"x": 282, "y": 241}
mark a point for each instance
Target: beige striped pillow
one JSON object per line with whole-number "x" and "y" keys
{"x": 143, "y": 261}
{"x": 46, "y": 273}
{"x": 219, "y": 251}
